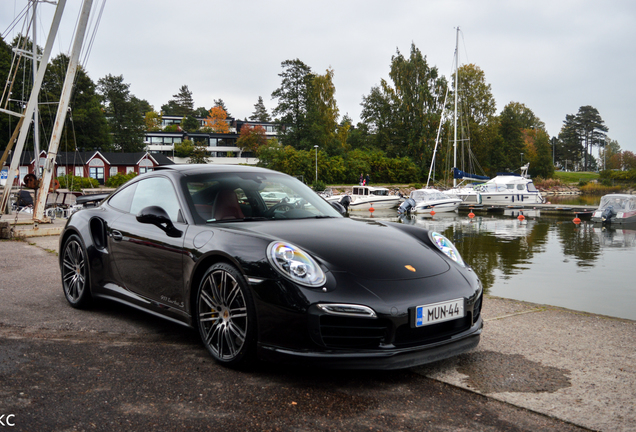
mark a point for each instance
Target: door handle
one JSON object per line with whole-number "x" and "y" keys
{"x": 116, "y": 235}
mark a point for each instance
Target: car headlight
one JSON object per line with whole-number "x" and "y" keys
{"x": 295, "y": 264}
{"x": 447, "y": 247}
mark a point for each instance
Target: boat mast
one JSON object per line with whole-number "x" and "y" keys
{"x": 33, "y": 100}
{"x": 456, "y": 91}
{"x": 36, "y": 129}
{"x": 60, "y": 118}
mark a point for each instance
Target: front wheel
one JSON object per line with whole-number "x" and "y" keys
{"x": 75, "y": 272}
{"x": 226, "y": 316}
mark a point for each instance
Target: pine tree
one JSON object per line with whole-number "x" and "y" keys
{"x": 260, "y": 112}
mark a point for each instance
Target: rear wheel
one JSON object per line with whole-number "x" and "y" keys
{"x": 75, "y": 272}
{"x": 226, "y": 315}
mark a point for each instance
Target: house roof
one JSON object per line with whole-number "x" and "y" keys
{"x": 82, "y": 158}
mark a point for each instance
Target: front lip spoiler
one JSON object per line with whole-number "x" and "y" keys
{"x": 377, "y": 359}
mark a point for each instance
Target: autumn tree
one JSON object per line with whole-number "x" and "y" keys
{"x": 251, "y": 138}
{"x": 322, "y": 116}
{"x": 220, "y": 104}
{"x": 609, "y": 155}
{"x": 153, "y": 121}
{"x": 260, "y": 113}
{"x": 216, "y": 120}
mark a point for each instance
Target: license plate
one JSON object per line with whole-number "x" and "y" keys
{"x": 439, "y": 312}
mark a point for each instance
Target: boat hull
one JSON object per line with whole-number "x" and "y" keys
{"x": 382, "y": 203}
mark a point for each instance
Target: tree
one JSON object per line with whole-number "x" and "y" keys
{"x": 475, "y": 96}
{"x": 124, "y": 113}
{"x": 153, "y": 121}
{"x": 181, "y": 105}
{"x": 260, "y": 112}
{"x": 591, "y": 128}
{"x": 570, "y": 148}
{"x": 199, "y": 154}
{"x": 291, "y": 111}
{"x": 86, "y": 125}
{"x": 190, "y": 124}
{"x": 322, "y": 114}
{"x": 220, "y": 104}
{"x": 216, "y": 120}
{"x": 251, "y": 138}
{"x": 407, "y": 114}
{"x": 184, "y": 149}
{"x": 511, "y": 131}
{"x": 609, "y": 153}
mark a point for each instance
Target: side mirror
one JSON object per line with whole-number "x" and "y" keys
{"x": 339, "y": 207}
{"x": 157, "y": 216}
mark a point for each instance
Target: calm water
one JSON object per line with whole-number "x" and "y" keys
{"x": 544, "y": 260}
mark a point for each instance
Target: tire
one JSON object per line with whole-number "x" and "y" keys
{"x": 226, "y": 316}
{"x": 75, "y": 273}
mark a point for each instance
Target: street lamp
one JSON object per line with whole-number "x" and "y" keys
{"x": 316, "y": 147}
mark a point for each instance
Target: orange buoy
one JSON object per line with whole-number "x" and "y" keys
{"x": 432, "y": 212}
{"x": 521, "y": 217}
{"x": 471, "y": 215}
{"x": 371, "y": 209}
{"x": 576, "y": 220}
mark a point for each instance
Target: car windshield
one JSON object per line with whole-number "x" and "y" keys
{"x": 229, "y": 197}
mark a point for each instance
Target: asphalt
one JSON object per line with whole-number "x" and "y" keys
{"x": 537, "y": 367}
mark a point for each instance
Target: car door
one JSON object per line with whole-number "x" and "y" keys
{"x": 149, "y": 261}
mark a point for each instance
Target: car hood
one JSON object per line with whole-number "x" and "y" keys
{"x": 366, "y": 249}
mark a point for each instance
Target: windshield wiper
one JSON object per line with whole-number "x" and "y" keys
{"x": 246, "y": 219}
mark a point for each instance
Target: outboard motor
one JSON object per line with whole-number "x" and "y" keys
{"x": 345, "y": 201}
{"x": 608, "y": 214}
{"x": 406, "y": 206}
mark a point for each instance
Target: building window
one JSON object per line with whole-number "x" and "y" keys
{"x": 97, "y": 173}
{"x": 79, "y": 171}
{"x": 113, "y": 171}
{"x": 61, "y": 170}
{"x": 130, "y": 169}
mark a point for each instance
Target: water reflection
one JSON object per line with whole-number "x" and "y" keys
{"x": 542, "y": 259}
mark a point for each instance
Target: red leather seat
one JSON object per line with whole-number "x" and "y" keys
{"x": 226, "y": 206}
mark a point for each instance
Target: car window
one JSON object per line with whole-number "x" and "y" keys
{"x": 122, "y": 198}
{"x": 156, "y": 191}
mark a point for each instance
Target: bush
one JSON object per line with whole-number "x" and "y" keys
{"x": 119, "y": 179}
{"x": 319, "y": 186}
{"x": 76, "y": 184}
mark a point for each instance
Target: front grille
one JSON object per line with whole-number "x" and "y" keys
{"x": 406, "y": 336}
{"x": 352, "y": 332}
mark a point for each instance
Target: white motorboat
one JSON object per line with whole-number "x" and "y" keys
{"x": 510, "y": 188}
{"x": 429, "y": 200}
{"x": 467, "y": 193}
{"x": 616, "y": 209}
{"x": 365, "y": 197}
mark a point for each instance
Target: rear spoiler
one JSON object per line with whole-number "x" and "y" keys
{"x": 91, "y": 200}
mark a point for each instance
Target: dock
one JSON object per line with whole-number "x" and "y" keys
{"x": 580, "y": 211}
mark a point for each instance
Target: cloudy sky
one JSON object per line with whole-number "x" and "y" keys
{"x": 554, "y": 56}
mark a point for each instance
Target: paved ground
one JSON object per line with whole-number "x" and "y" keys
{"x": 113, "y": 368}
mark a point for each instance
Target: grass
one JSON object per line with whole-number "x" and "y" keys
{"x": 575, "y": 177}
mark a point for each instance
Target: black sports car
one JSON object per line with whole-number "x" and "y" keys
{"x": 265, "y": 268}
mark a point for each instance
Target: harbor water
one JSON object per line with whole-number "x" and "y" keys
{"x": 541, "y": 259}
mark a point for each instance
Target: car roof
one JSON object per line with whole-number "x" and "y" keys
{"x": 210, "y": 168}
